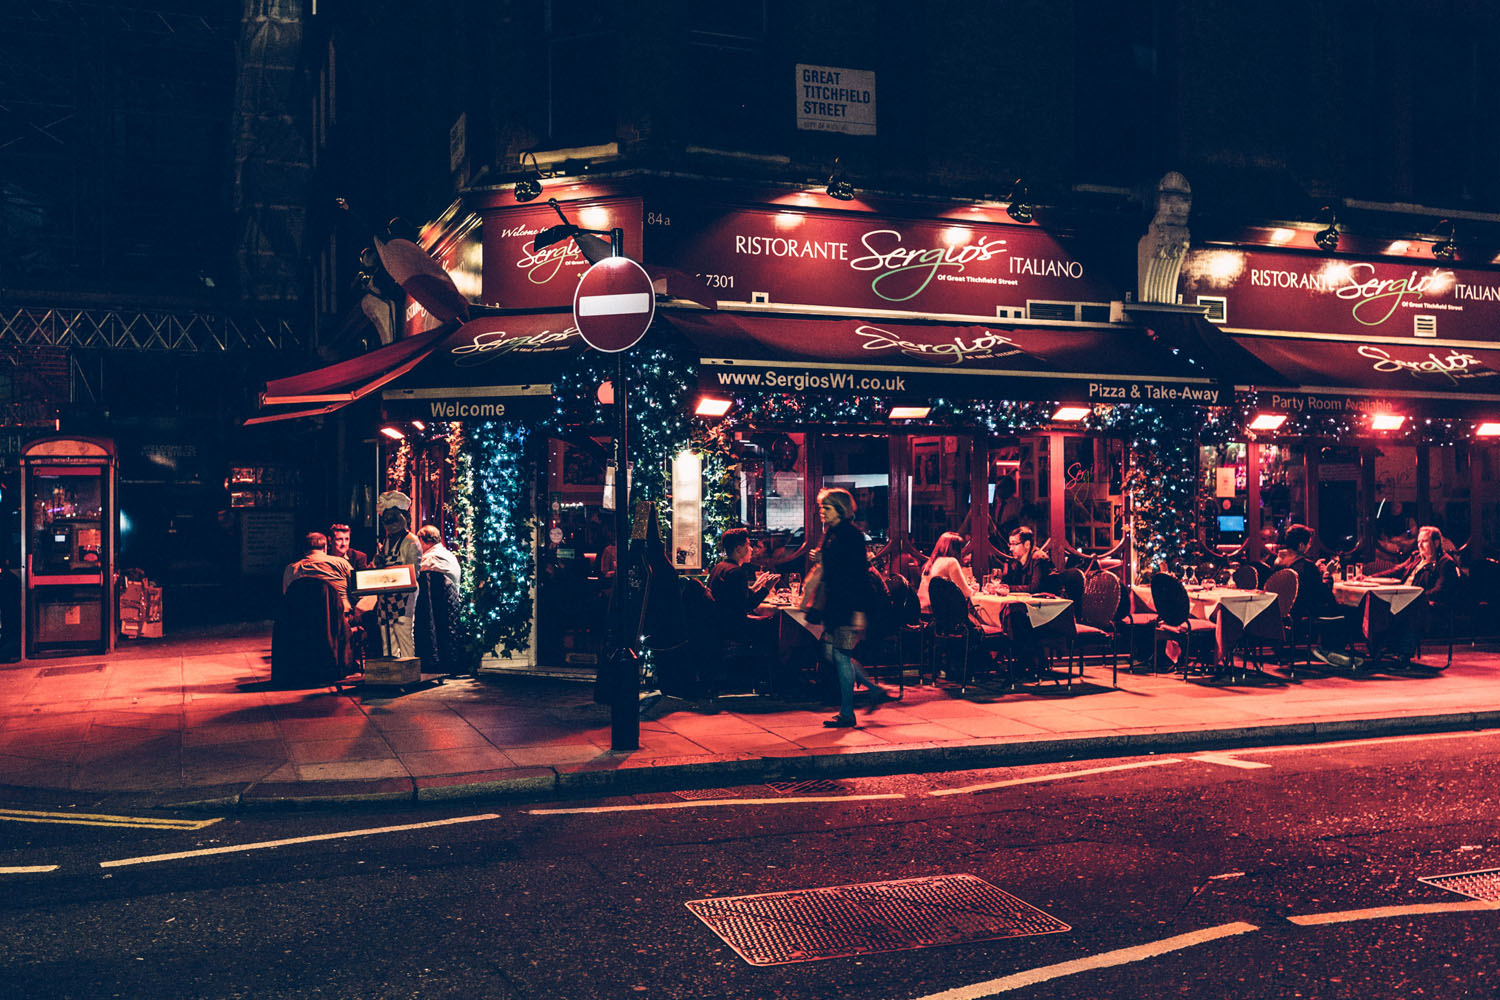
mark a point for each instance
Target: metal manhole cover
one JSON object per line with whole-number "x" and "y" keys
{"x": 812, "y": 785}
{"x": 75, "y": 668}
{"x": 702, "y": 794}
{"x": 1476, "y": 885}
{"x": 806, "y": 925}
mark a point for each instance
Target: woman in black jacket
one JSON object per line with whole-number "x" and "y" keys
{"x": 845, "y": 589}
{"x": 1436, "y": 572}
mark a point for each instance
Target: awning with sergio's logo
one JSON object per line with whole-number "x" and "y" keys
{"x": 1352, "y": 376}
{"x": 909, "y": 359}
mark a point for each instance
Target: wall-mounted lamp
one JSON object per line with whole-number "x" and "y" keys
{"x": 710, "y": 407}
{"x": 1018, "y": 208}
{"x": 910, "y": 412}
{"x": 529, "y": 186}
{"x": 393, "y": 432}
{"x": 1070, "y": 414}
{"x": 1488, "y": 429}
{"x": 1387, "y": 421}
{"x": 589, "y": 243}
{"x": 1328, "y": 239}
{"x": 838, "y": 187}
{"x": 1445, "y": 249}
{"x": 1267, "y": 421}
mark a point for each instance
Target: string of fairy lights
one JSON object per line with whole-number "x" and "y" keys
{"x": 491, "y": 508}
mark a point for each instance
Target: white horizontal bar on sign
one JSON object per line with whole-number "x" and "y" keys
{"x": 470, "y": 392}
{"x": 623, "y": 304}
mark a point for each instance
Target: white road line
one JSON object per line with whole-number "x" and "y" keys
{"x": 698, "y": 803}
{"x": 1227, "y": 761}
{"x": 1109, "y": 959}
{"x": 1371, "y": 741}
{"x": 966, "y": 789}
{"x": 1383, "y": 912}
{"x": 264, "y": 844}
{"x": 619, "y": 304}
{"x": 28, "y": 869}
{"x": 104, "y": 819}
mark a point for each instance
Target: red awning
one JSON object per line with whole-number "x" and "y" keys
{"x": 349, "y": 380}
{"x": 904, "y": 358}
{"x": 1443, "y": 379}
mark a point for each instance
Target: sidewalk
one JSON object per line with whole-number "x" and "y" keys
{"x": 193, "y": 721}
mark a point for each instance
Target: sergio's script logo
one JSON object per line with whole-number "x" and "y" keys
{"x": 954, "y": 352}
{"x": 541, "y": 266}
{"x": 487, "y": 346}
{"x": 1376, "y": 300}
{"x": 1452, "y": 367}
{"x": 920, "y": 266}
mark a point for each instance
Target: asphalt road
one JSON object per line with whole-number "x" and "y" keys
{"x": 1196, "y": 876}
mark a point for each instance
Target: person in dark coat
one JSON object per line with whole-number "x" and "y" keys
{"x": 737, "y": 588}
{"x": 1025, "y": 567}
{"x": 845, "y": 590}
{"x": 1436, "y": 572}
{"x": 310, "y": 637}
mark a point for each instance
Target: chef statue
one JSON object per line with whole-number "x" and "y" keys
{"x": 395, "y": 613}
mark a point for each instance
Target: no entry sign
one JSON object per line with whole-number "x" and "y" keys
{"x": 614, "y": 304}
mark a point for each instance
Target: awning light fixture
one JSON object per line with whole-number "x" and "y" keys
{"x": 838, "y": 186}
{"x": 1387, "y": 421}
{"x": 711, "y": 407}
{"x": 1018, "y": 208}
{"x": 1488, "y": 429}
{"x": 1267, "y": 421}
{"x": 419, "y": 425}
{"x": 1069, "y": 414}
{"x": 1328, "y": 239}
{"x": 529, "y": 186}
{"x": 910, "y": 412}
{"x": 1445, "y": 249}
{"x": 393, "y": 432}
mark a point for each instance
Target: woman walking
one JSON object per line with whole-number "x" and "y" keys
{"x": 845, "y": 587}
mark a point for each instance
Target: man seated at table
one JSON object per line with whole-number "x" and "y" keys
{"x": 317, "y": 564}
{"x": 1025, "y": 567}
{"x": 736, "y": 586}
{"x": 1436, "y": 572}
{"x": 1314, "y": 593}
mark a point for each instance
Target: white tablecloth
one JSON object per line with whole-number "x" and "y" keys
{"x": 1245, "y": 605}
{"x": 1398, "y": 595}
{"x": 1039, "y": 610}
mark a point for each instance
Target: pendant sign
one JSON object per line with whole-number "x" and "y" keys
{"x": 614, "y": 304}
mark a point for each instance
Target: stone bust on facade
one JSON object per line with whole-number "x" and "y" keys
{"x": 1160, "y": 252}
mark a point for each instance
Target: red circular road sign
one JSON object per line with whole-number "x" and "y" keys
{"x": 614, "y": 304}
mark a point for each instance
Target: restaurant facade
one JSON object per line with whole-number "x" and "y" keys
{"x": 956, "y": 369}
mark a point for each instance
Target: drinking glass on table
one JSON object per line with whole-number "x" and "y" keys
{"x": 794, "y": 584}
{"x": 1359, "y": 571}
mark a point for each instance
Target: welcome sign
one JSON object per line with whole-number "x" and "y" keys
{"x": 1300, "y": 293}
{"x": 519, "y": 277}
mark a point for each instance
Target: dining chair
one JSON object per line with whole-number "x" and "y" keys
{"x": 1175, "y": 621}
{"x": 1283, "y": 583}
{"x": 1244, "y": 577}
{"x": 1096, "y": 620}
{"x": 953, "y": 624}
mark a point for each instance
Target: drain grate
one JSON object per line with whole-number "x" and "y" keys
{"x": 807, "y": 925}
{"x": 811, "y": 786}
{"x": 73, "y": 668}
{"x": 1476, "y": 885}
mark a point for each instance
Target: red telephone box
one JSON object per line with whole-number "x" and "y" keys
{"x": 68, "y": 546}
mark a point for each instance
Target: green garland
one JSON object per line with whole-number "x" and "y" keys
{"x": 500, "y": 471}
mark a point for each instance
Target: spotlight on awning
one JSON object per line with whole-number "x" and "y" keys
{"x": 838, "y": 186}
{"x": 910, "y": 412}
{"x": 1267, "y": 421}
{"x": 710, "y": 407}
{"x": 1387, "y": 421}
{"x": 1328, "y": 239}
{"x": 393, "y": 432}
{"x": 1445, "y": 249}
{"x": 1488, "y": 429}
{"x": 419, "y": 425}
{"x": 1018, "y": 208}
{"x": 529, "y": 186}
{"x": 1069, "y": 414}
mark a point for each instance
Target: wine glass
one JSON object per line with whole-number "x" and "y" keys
{"x": 794, "y": 584}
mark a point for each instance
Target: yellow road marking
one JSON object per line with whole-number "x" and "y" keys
{"x": 696, "y": 803}
{"x": 28, "y": 869}
{"x": 1108, "y": 959}
{"x": 1058, "y": 775}
{"x": 1383, "y": 912}
{"x": 100, "y": 819}
{"x": 264, "y": 844}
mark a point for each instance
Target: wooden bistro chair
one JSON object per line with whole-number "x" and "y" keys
{"x": 1244, "y": 577}
{"x": 1096, "y": 620}
{"x": 1175, "y": 620}
{"x": 1283, "y": 583}
{"x": 953, "y": 625}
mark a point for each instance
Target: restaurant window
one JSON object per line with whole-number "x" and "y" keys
{"x": 727, "y": 104}
{"x": 862, "y": 465}
{"x": 1019, "y": 485}
{"x": 1093, "y": 508}
{"x": 940, "y": 487}
{"x": 1448, "y": 484}
{"x": 1223, "y": 492}
{"x": 771, "y": 481}
{"x": 1283, "y": 489}
{"x": 581, "y": 72}
{"x": 576, "y": 553}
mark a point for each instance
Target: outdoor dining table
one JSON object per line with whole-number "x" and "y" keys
{"x": 1376, "y": 601}
{"x": 997, "y": 609}
{"x": 1230, "y": 609}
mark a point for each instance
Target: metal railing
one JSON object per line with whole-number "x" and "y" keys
{"x": 145, "y": 330}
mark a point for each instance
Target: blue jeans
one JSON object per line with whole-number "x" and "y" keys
{"x": 847, "y": 670}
